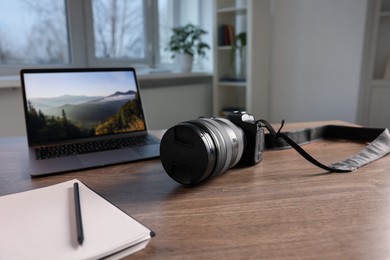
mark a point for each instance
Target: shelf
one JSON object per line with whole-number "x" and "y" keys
{"x": 231, "y": 10}
{"x": 224, "y": 47}
{"x": 250, "y": 16}
{"x": 232, "y": 83}
{"x": 385, "y": 14}
{"x": 381, "y": 83}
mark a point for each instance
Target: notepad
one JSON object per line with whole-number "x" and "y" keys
{"x": 41, "y": 224}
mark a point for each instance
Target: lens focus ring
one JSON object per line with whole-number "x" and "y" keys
{"x": 195, "y": 150}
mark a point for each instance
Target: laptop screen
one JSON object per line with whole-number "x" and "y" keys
{"x": 80, "y": 103}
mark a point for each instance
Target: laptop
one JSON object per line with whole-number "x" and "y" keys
{"x": 84, "y": 118}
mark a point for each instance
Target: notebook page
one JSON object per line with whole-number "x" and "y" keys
{"x": 40, "y": 224}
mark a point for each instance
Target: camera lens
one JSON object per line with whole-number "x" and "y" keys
{"x": 195, "y": 150}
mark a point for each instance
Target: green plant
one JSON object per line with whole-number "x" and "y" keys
{"x": 238, "y": 44}
{"x": 187, "y": 40}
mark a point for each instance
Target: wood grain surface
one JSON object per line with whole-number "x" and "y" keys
{"x": 282, "y": 208}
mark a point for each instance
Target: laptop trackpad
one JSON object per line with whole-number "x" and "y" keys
{"x": 108, "y": 157}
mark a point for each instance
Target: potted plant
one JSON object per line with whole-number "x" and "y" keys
{"x": 185, "y": 42}
{"x": 237, "y": 55}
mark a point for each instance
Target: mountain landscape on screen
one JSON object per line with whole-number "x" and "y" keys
{"x": 68, "y": 116}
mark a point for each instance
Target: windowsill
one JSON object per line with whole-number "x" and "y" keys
{"x": 152, "y": 79}
{"x": 9, "y": 82}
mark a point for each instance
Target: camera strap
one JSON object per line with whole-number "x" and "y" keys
{"x": 378, "y": 143}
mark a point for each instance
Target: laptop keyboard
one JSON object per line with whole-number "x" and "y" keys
{"x": 56, "y": 151}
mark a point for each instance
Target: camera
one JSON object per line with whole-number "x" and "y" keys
{"x": 194, "y": 151}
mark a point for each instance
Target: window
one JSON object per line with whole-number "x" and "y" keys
{"x": 33, "y": 32}
{"x": 62, "y": 33}
{"x": 189, "y": 13}
{"x": 119, "y": 29}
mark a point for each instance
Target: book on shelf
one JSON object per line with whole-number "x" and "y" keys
{"x": 226, "y": 35}
{"x": 42, "y": 224}
{"x": 232, "y": 79}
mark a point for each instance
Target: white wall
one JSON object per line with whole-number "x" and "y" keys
{"x": 11, "y": 112}
{"x": 167, "y": 106}
{"x": 316, "y": 59}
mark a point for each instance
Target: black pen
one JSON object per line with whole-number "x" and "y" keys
{"x": 79, "y": 221}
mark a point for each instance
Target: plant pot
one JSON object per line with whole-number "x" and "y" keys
{"x": 184, "y": 62}
{"x": 240, "y": 65}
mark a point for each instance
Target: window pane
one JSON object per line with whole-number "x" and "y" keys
{"x": 165, "y": 23}
{"x": 119, "y": 28}
{"x": 33, "y": 32}
{"x": 173, "y": 13}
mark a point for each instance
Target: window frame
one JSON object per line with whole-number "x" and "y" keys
{"x": 81, "y": 39}
{"x": 93, "y": 61}
{"x": 75, "y": 56}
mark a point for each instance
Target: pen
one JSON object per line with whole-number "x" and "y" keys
{"x": 79, "y": 222}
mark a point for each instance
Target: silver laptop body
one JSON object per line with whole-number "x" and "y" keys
{"x": 84, "y": 118}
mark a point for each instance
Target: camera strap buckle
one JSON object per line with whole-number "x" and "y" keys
{"x": 378, "y": 138}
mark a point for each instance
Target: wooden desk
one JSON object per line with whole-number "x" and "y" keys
{"x": 283, "y": 208}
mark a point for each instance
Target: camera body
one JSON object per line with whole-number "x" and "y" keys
{"x": 194, "y": 151}
{"x": 254, "y": 137}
